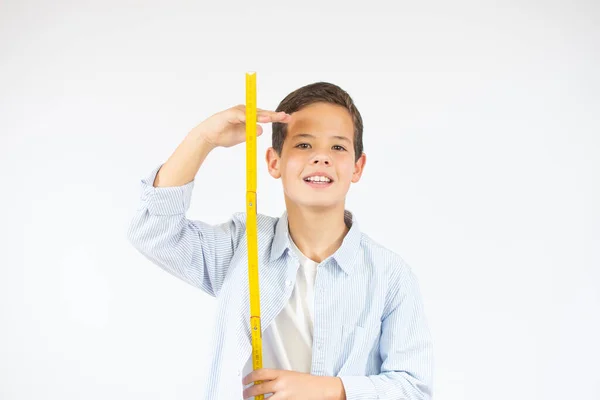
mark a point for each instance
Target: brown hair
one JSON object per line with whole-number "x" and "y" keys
{"x": 314, "y": 93}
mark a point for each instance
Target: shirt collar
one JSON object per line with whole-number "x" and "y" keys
{"x": 344, "y": 256}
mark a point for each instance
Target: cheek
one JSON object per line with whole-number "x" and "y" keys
{"x": 346, "y": 169}
{"x": 293, "y": 168}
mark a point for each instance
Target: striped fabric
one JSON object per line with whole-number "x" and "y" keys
{"x": 370, "y": 327}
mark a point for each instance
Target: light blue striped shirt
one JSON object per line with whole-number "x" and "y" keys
{"x": 370, "y": 327}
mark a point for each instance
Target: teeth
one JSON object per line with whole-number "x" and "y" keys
{"x": 318, "y": 179}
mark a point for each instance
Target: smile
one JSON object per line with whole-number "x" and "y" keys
{"x": 318, "y": 184}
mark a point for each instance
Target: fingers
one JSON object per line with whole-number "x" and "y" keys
{"x": 261, "y": 388}
{"x": 267, "y": 382}
{"x": 262, "y": 116}
{"x": 263, "y": 374}
{"x": 272, "y": 116}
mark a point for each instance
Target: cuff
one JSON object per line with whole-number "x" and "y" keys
{"x": 171, "y": 200}
{"x": 359, "y": 388}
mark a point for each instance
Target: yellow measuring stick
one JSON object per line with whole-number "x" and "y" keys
{"x": 251, "y": 224}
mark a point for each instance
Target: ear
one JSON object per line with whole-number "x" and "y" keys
{"x": 359, "y": 167}
{"x": 273, "y": 163}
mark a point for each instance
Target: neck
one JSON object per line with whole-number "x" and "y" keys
{"x": 317, "y": 233}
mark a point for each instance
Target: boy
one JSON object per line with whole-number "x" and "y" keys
{"x": 342, "y": 316}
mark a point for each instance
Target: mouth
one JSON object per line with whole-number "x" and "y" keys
{"x": 318, "y": 182}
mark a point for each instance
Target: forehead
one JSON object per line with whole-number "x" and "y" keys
{"x": 322, "y": 119}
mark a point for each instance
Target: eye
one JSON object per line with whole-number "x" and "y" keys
{"x": 301, "y": 145}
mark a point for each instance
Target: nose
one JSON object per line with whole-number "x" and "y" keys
{"x": 321, "y": 159}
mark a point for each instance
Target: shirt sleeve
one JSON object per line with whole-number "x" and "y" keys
{"x": 406, "y": 350}
{"x": 193, "y": 251}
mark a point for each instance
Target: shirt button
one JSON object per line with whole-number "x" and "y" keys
{"x": 238, "y": 372}
{"x": 288, "y": 283}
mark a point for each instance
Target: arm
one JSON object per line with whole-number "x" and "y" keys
{"x": 183, "y": 165}
{"x": 406, "y": 350}
{"x": 194, "y": 251}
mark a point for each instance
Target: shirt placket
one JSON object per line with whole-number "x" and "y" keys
{"x": 319, "y": 331}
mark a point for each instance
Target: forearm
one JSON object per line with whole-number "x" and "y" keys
{"x": 183, "y": 165}
{"x": 335, "y": 388}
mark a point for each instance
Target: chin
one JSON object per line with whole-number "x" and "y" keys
{"x": 308, "y": 198}
{"x": 316, "y": 204}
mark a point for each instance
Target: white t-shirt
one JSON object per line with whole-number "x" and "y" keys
{"x": 287, "y": 342}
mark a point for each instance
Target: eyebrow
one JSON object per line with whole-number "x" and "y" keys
{"x": 308, "y": 135}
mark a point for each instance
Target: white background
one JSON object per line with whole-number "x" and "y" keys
{"x": 482, "y": 126}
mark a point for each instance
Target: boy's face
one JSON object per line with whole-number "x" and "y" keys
{"x": 320, "y": 140}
